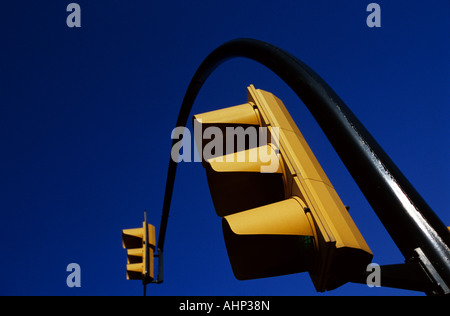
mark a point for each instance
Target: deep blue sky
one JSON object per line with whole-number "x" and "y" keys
{"x": 86, "y": 116}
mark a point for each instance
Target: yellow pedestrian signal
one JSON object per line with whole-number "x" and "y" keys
{"x": 140, "y": 244}
{"x": 280, "y": 213}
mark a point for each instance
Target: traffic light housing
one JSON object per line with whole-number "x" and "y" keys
{"x": 280, "y": 213}
{"x": 140, "y": 244}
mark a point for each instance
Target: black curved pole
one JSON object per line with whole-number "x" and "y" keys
{"x": 417, "y": 231}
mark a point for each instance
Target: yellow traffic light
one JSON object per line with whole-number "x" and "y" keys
{"x": 140, "y": 244}
{"x": 280, "y": 212}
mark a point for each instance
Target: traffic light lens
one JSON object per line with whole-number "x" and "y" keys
{"x": 233, "y": 192}
{"x": 270, "y": 240}
{"x": 262, "y": 256}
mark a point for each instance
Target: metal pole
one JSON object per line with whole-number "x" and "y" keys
{"x": 417, "y": 231}
{"x": 146, "y": 261}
